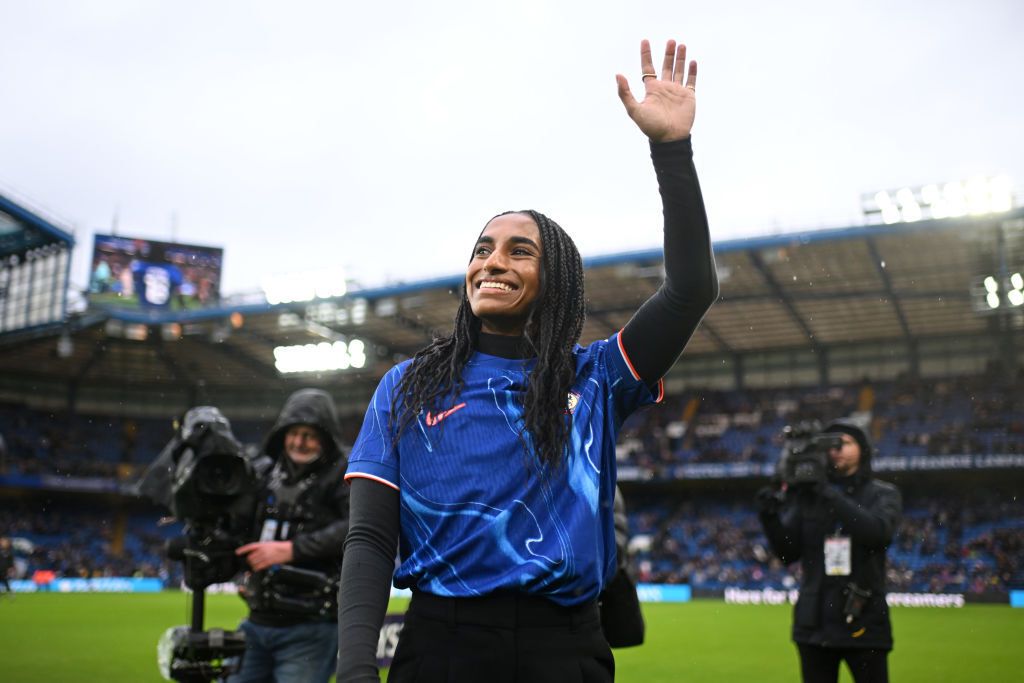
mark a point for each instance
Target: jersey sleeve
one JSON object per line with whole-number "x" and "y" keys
{"x": 629, "y": 391}
{"x": 374, "y": 455}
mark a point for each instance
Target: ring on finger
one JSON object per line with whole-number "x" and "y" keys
{"x": 646, "y": 76}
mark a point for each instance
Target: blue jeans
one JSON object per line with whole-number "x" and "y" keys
{"x": 304, "y": 653}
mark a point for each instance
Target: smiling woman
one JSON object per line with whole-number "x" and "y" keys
{"x": 503, "y": 277}
{"x": 503, "y": 514}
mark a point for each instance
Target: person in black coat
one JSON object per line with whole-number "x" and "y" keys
{"x": 839, "y": 529}
{"x": 302, "y": 520}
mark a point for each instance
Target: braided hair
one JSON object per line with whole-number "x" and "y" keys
{"x": 552, "y": 329}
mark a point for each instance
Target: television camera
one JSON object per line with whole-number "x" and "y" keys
{"x": 805, "y": 453}
{"x": 204, "y": 476}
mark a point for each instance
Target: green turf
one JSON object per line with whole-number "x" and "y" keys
{"x": 711, "y": 641}
{"x": 112, "y": 638}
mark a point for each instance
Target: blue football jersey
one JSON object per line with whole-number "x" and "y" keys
{"x": 478, "y": 513}
{"x": 155, "y": 283}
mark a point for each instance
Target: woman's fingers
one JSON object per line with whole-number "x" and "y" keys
{"x": 666, "y": 64}
{"x": 625, "y": 94}
{"x": 680, "y": 63}
{"x": 646, "y": 63}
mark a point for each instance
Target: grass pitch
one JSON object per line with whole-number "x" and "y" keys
{"x": 112, "y": 638}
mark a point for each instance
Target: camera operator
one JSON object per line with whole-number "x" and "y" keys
{"x": 838, "y": 521}
{"x": 292, "y": 632}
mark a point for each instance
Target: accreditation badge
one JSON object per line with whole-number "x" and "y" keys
{"x": 837, "y": 555}
{"x": 269, "y": 531}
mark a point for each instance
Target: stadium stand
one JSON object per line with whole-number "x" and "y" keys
{"x": 44, "y": 442}
{"x": 963, "y": 415}
{"x": 960, "y": 543}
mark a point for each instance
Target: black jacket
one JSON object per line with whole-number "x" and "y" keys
{"x": 866, "y": 510}
{"x": 311, "y": 499}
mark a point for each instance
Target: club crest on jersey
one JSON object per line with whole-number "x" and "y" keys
{"x": 574, "y": 400}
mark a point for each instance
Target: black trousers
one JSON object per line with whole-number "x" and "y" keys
{"x": 501, "y": 639}
{"x": 821, "y": 664}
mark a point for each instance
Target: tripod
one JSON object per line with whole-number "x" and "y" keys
{"x": 191, "y": 654}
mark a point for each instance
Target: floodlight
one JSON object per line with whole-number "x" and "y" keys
{"x": 931, "y": 195}
{"x": 136, "y": 332}
{"x": 316, "y": 284}
{"x": 940, "y": 209}
{"x": 65, "y": 346}
{"x": 386, "y": 307}
{"x": 329, "y": 283}
{"x": 911, "y": 212}
{"x": 991, "y": 285}
{"x": 1017, "y": 281}
{"x": 358, "y": 312}
{"x": 322, "y": 357}
{"x": 1016, "y": 297}
{"x": 977, "y": 196}
{"x": 283, "y": 289}
{"x": 1001, "y": 193}
{"x": 170, "y": 332}
{"x": 955, "y": 199}
{"x": 357, "y": 352}
{"x": 993, "y": 300}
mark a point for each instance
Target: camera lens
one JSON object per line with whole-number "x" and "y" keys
{"x": 220, "y": 474}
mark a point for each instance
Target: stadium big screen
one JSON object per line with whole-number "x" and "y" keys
{"x": 141, "y": 273}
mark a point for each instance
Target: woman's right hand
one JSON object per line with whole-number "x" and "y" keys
{"x": 667, "y": 110}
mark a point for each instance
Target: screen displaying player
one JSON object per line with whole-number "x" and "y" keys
{"x": 134, "y": 272}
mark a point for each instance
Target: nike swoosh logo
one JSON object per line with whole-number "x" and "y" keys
{"x": 433, "y": 420}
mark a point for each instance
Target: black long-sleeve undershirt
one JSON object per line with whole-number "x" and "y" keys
{"x": 653, "y": 338}
{"x": 366, "y": 578}
{"x": 660, "y": 329}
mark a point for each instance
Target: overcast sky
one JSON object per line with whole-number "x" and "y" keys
{"x": 379, "y": 137}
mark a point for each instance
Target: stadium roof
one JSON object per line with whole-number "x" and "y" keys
{"x": 22, "y": 230}
{"x": 800, "y": 291}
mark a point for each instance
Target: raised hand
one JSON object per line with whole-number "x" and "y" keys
{"x": 667, "y": 109}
